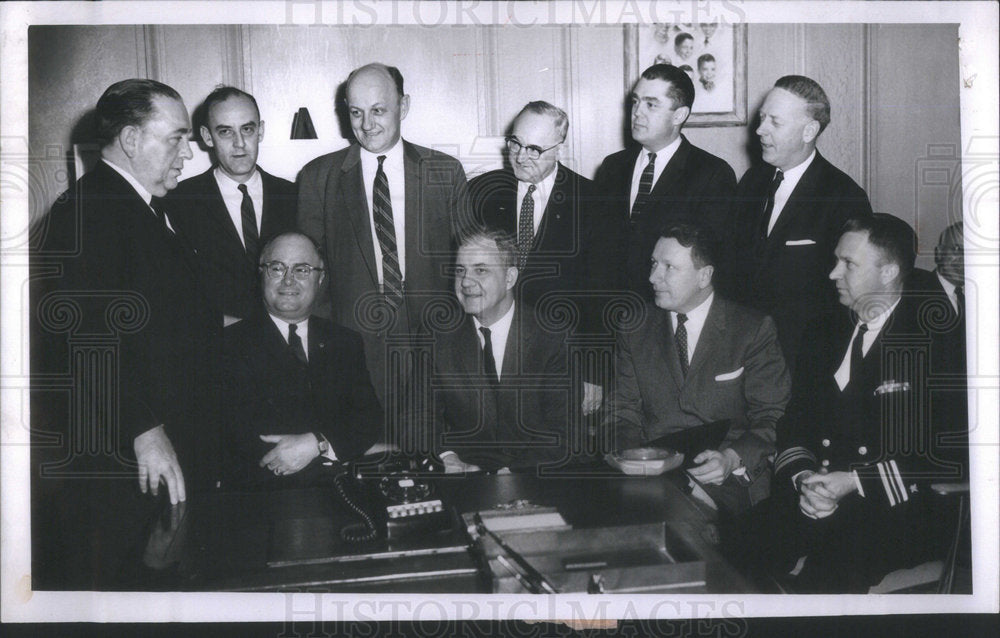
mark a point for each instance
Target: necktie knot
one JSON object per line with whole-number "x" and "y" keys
{"x": 243, "y": 189}
{"x": 778, "y": 178}
{"x": 862, "y": 328}
{"x": 652, "y": 158}
{"x": 381, "y": 158}
{"x": 681, "y": 318}
{"x": 531, "y": 188}
{"x": 295, "y": 343}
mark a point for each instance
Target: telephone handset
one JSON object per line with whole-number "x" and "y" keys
{"x": 397, "y": 483}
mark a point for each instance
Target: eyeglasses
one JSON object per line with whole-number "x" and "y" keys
{"x": 532, "y": 151}
{"x": 277, "y": 270}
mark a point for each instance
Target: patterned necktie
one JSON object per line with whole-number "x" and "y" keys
{"x": 489, "y": 363}
{"x": 295, "y": 343}
{"x": 960, "y": 300}
{"x": 645, "y": 185}
{"x": 766, "y": 224}
{"x": 392, "y": 278}
{"x": 857, "y": 354}
{"x": 526, "y": 227}
{"x": 251, "y": 239}
{"x": 681, "y": 338}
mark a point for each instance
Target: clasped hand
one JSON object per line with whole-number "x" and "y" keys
{"x": 820, "y": 494}
{"x": 291, "y": 452}
{"x": 714, "y": 467}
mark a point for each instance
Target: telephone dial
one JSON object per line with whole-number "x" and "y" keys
{"x": 391, "y": 492}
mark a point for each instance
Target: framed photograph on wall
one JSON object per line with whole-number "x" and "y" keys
{"x": 713, "y": 54}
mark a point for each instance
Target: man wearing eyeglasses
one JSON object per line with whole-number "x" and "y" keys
{"x": 229, "y": 211}
{"x": 663, "y": 178}
{"x": 296, "y": 385}
{"x": 547, "y": 208}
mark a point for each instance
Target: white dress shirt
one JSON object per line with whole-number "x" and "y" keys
{"x": 694, "y": 324}
{"x": 301, "y": 329}
{"x": 233, "y": 198}
{"x": 663, "y": 157}
{"x": 498, "y": 336}
{"x": 139, "y": 188}
{"x": 949, "y": 289}
{"x": 789, "y": 180}
{"x": 392, "y": 166}
{"x": 540, "y": 196}
{"x": 843, "y": 373}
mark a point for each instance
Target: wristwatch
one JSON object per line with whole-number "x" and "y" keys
{"x": 321, "y": 443}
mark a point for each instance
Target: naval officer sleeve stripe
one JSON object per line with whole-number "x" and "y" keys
{"x": 791, "y": 455}
{"x": 895, "y": 491}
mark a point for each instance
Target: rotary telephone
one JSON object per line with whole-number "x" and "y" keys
{"x": 391, "y": 493}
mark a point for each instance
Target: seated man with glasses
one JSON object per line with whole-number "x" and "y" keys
{"x": 296, "y": 385}
{"x": 547, "y": 208}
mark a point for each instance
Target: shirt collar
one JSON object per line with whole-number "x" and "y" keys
{"x": 225, "y": 181}
{"x": 949, "y": 288}
{"x": 699, "y": 312}
{"x": 143, "y": 193}
{"x": 500, "y": 325}
{"x": 393, "y": 154}
{"x": 875, "y": 325}
{"x": 794, "y": 173}
{"x": 664, "y": 154}
{"x": 301, "y": 327}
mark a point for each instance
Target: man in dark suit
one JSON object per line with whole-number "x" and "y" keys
{"x": 788, "y": 213}
{"x": 867, "y": 430}
{"x": 142, "y": 328}
{"x": 297, "y": 388}
{"x": 663, "y": 178}
{"x": 498, "y": 393}
{"x": 698, "y": 359}
{"x": 949, "y": 276}
{"x": 385, "y": 210}
{"x": 548, "y": 208}
{"x": 234, "y": 208}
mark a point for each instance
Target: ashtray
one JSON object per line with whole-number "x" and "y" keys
{"x": 645, "y": 461}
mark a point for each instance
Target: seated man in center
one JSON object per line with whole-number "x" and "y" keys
{"x": 499, "y": 390}
{"x": 699, "y": 359}
{"x": 296, "y": 385}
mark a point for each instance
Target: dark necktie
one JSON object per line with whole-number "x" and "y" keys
{"x": 295, "y": 343}
{"x": 385, "y": 229}
{"x": 681, "y": 338}
{"x": 251, "y": 238}
{"x": 960, "y": 300}
{"x": 160, "y": 210}
{"x": 857, "y": 353}
{"x": 769, "y": 205}
{"x": 526, "y": 227}
{"x": 489, "y": 363}
{"x": 645, "y": 185}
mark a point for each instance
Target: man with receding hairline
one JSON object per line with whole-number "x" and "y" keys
{"x": 385, "y": 211}
{"x": 788, "y": 212}
{"x": 235, "y": 207}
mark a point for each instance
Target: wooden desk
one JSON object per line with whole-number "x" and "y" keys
{"x": 222, "y": 540}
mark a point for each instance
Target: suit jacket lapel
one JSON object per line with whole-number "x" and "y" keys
{"x": 352, "y": 193}
{"x": 803, "y": 191}
{"x": 663, "y": 335}
{"x": 673, "y": 170}
{"x": 556, "y": 228}
{"x": 413, "y": 218}
{"x": 517, "y": 337}
{"x": 266, "y": 218}
{"x": 710, "y": 338}
{"x": 218, "y": 215}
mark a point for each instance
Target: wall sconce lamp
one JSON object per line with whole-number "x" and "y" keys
{"x": 302, "y": 125}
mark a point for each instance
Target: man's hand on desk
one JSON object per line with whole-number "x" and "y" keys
{"x": 821, "y": 493}
{"x": 455, "y": 465}
{"x": 593, "y": 396}
{"x": 157, "y": 460}
{"x": 291, "y": 452}
{"x": 714, "y": 467}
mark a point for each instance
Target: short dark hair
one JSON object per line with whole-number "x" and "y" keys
{"x": 681, "y": 89}
{"x": 893, "y": 237}
{"x": 393, "y": 72}
{"x": 505, "y": 242}
{"x": 706, "y": 57}
{"x": 681, "y": 37}
{"x": 817, "y": 103}
{"x": 128, "y": 103}
{"x": 221, "y": 93}
{"x": 702, "y": 241}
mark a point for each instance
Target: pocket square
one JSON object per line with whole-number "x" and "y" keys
{"x": 800, "y": 242}
{"x": 892, "y": 386}
{"x": 729, "y": 376}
